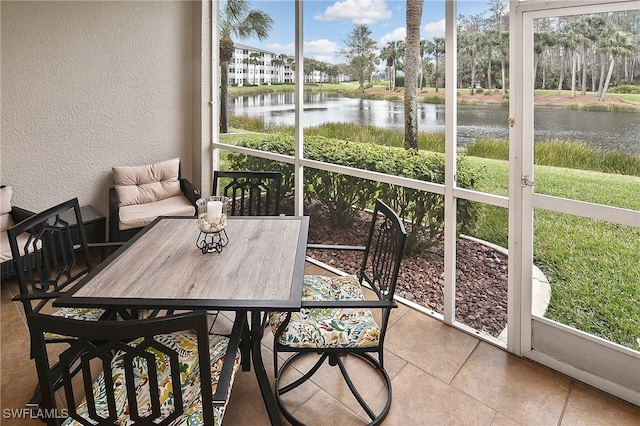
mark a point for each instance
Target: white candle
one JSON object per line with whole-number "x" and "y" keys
{"x": 214, "y": 210}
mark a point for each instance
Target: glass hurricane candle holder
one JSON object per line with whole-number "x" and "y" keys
{"x": 212, "y": 219}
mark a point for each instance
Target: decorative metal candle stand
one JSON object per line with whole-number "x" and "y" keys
{"x": 212, "y": 219}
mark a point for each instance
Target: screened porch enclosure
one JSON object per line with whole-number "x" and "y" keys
{"x": 529, "y": 333}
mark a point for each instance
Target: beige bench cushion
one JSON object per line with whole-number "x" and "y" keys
{"x": 5, "y": 250}
{"x": 6, "y": 221}
{"x": 139, "y": 215}
{"x": 146, "y": 184}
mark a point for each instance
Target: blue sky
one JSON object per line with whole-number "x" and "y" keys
{"x": 328, "y": 22}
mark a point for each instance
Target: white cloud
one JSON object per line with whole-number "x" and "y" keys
{"x": 325, "y": 58}
{"x": 395, "y": 35}
{"x": 360, "y": 12}
{"x": 321, "y": 50}
{"x": 289, "y": 48}
{"x": 321, "y": 46}
{"x": 434, "y": 29}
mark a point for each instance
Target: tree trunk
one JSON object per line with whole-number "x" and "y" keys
{"x": 602, "y": 74}
{"x": 412, "y": 58}
{"x": 473, "y": 74}
{"x": 504, "y": 76}
{"x": 606, "y": 83}
{"x": 436, "y": 73}
{"x": 574, "y": 66}
{"x": 489, "y": 85}
{"x": 224, "y": 85}
{"x": 561, "y": 77}
{"x": 584, "y": 71}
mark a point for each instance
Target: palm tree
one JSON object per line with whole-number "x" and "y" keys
{"x": 236, "y": 18}
{"x": 424, "y": 49}
{"x": 438, "y": 51}
{"x": 282, "y": 60}
{"x": 391, "y": 53}
{"x": 468, "y": 43}
{"x": 616, "y": 43}
{"x": 412, "y": 59}
{"x": 254, "y": 59}
{"x": 278, "y": 63}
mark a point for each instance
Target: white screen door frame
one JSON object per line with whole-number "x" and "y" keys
{"x": 590, "y": 359}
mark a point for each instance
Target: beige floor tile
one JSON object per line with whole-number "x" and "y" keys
{"x": 436, "y": 348}
{"x": 322, "y": 409}
{"x": 587, "y": 406}
{"x": 422, "y": 399}
{"x": 524, "y": 392}
{"x": 486, "y": 384}
{"x": 366, "y": 379}
{"x": 18, "y": 375}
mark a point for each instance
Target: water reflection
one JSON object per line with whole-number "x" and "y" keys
{"x": 607, "y": 130}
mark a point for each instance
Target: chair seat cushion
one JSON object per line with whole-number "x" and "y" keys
{"x": 5, "y": 250}
{"x": 186, "y": 345}
{"x": 329, "y": 328}
{"x": 84, "y": 314}
{"x": 140, "y": 215}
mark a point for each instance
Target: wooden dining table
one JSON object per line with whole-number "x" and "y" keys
{"x": 260, "y": 269}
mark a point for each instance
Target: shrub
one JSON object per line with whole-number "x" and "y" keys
{"x": 625, "y": 88}
{"x": 340, "y": 193}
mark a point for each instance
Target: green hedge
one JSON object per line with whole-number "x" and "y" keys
{"x": 339, "y": 193}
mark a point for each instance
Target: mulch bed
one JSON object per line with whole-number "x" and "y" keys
{"x": 481, "y": 283}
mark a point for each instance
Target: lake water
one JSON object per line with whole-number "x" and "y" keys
{"x": 606, "y": 130}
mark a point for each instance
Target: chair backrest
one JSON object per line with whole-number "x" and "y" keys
{"x": 54, "y": 255}
{"x": 136, "y": 371}
{"x": 252, "y": 193}
{"x": 384, "y": 250}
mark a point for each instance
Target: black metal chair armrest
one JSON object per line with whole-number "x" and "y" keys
{"x": 114, "y": 215}
{"x": 224, "y": 382}
{"x": 334, "y": 247}
{"x": 36, "y": 296}
{"x": 111, "y": 244}
{"x": 190, "y": 191}
{"x": 350, "y": 304}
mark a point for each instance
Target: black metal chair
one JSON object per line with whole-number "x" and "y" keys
{"x": 47, "y": 263}
{"x": 251, "y": 193}
{"x": 336, "y": 320}
{"x": 149, "y": 372}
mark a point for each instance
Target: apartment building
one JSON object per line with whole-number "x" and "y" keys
{"x": 253, "y": 66}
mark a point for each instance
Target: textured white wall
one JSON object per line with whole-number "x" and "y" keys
{"x": 90, "y": 85}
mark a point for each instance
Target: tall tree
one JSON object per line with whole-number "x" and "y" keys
{"x": 360, "y": 53}
{"x": 616, "y": 43}
{"x": 434, "y": 48}
{"x": 412, "y": 62}
{"x": 237, "y": 19}
{"x": 392, "y": 53}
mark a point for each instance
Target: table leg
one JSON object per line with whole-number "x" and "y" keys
{"x": 257, "y": 331}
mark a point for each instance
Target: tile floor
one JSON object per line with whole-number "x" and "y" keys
{"x": 440, "y": 376}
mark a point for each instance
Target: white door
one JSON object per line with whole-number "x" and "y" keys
{"x": 558, "y": 343}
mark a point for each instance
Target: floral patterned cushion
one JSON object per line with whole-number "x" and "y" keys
{"x": 329, "y": 328}
{"x": 84, "y": 314}
{"x": 186, "y": 345}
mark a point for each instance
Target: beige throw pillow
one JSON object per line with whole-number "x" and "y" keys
{"x": 146, "y": 184}
{"x": 6, "y": 221}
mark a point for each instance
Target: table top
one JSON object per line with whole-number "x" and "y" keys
{"x": 261, "y": 268}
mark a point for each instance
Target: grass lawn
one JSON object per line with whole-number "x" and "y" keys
{"x": 593, "y": 266}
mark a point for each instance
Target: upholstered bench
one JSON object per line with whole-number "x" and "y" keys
{"x": 142, "y": 193}
{"x": 9, "y": 216}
